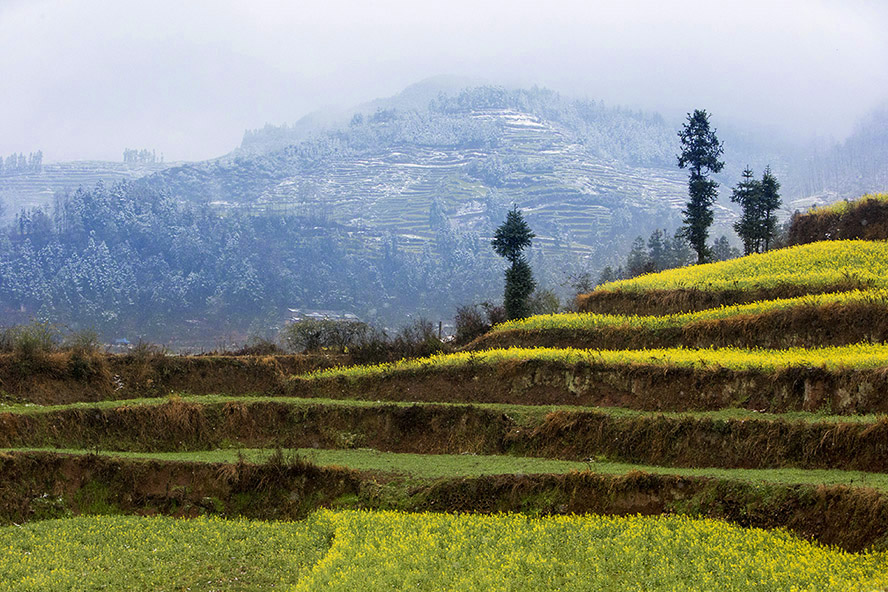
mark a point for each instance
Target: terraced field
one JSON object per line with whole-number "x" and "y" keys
{"x": 386, "y": 550}
{"x": 576, "y": 200}
{"x": 815, "y": 268}
{"x": 568, "y": 466}
{"x": 840, "y": 318}
{"x": 34, "y": 189}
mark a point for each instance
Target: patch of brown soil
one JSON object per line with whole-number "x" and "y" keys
{"x": 275, "y": 490}
{"x": 706, "y": 442}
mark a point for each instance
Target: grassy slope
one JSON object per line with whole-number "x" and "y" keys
{"x": 434, "y": 466}
{"x": 521, "y": 413}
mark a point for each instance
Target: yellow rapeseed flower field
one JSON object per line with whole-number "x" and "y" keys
{"x": 857, "y": 356}
{"x": 368, "y": 551}
{"x": 588, "y": 321}
{"x": 843, "y": 206}
{"x": 128, "y": 553}
{"x": 815, "y": 265}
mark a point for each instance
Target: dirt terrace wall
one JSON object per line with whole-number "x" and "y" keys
{"x": 851, "y": 518}
{"x": 43, "y": 485}
{"x": 187, "y": 426}
{"x": 705, "y": 442}
{"x": 803, "y": 326}
{"x": 46, "y": 485}
{"x": 63, "y": 377}
{"x": 865, "y": 219}
{"x": 653, "y": 388}
{"x": 438, "y": 429}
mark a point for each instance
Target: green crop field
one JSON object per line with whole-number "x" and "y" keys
{"x": 394, "y": 551}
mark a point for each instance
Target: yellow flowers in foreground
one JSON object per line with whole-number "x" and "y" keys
{"x": 137, "y": 553}
{"x": 857, "y": 356}
{"x": 815, "y": 265}
{"x": 351, "y": 551}
{"x": 588, "y": 321}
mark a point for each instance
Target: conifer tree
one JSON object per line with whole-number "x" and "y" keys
{"x": 758, "y": 201}
{"x": 748, "y": 194}
{"x": 509, "y": 240}
{"x": 769, "y": 202}
{"x": 638, "y": 261}
{"x": 657, "y": 249}
{"x": 700, "y": 151}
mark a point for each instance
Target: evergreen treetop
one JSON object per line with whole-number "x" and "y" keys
{"x": 513, "y": 236}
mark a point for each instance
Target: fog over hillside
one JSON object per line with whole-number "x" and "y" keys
{"x": 212, "y": 167}
{"x": 188, "y": 78}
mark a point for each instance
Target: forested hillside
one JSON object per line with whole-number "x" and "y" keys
{"x": 857, "y": 166}
{"x": 136, "y": 260}
{"x": 386, "y": 214}
{"x": 585, "y": 174}
{"x": 36, "y": 184}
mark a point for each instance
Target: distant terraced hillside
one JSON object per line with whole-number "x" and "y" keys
{"x": 587, "y": 176}
{"x": 32, "y": 189}
{"x": 567, "y": 193}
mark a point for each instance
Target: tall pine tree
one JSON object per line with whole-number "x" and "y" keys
{"x": 509, "y": 240}
{"x": 769, "y": 202}
{"x": 748, "y": 194}
{"x": 700, "y": 152}
{"x": 758, "y": 201}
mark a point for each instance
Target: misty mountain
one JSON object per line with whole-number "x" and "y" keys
{"x": 384, "y": 211}
{"x": 856, "y": 166}
{"x": 586, "y": 175}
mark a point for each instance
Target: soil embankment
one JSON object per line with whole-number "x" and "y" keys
{"x": 45, "y": 485}
{"x": 66, "y": 377}
{"x": 866, "y": 218}
{"x": 652, "y": 439}
{"x": 635, "y": 386}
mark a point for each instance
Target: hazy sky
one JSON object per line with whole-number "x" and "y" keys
{"x": 87, "y": 78}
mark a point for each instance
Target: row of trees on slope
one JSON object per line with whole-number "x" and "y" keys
{"x": 700, "y": 154}
{"x": 19, "y": 163}
{"x": 757, "y": 226}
